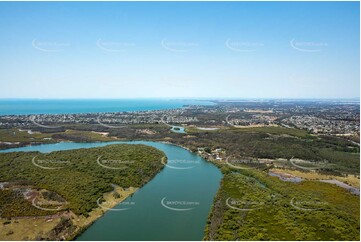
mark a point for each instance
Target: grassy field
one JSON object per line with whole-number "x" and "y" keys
{"x": 277, "y": 130}
{"x": 47, "y": 227}
{"x": 12, "y": 138}
{"x": 14, "y": 135}
{"x": 341, "y": 156}
{"x": 351, "y": 180}
{"x": 26, "y": 228}
{"x": 83, "y": 136}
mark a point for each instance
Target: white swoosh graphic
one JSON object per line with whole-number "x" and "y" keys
{"x": 33, "y": 43}
{"x": 227, "y": 121}
{"x": 162, "y": 120}
{"x": 304, "y": 168}
{"x": 44, "y": 167}
{"x": 304, "y": 209}
{"x": 175, "y": 209}
{"x": 112, "y": 209}
{"x": 171, "y": 49}
{"x": 300, "y": 49}
{"x": 46, "y": 209}
{"x": 236, "y": 167}
{"x": 235, "y": 49}
{"x": 240, "y": 209}
{"x": 109, "y": 126}
{"x": 32, "y": 119}
{"x": 100, "y": 45}
{"x": 108, "y": 167}
{"x": 174, "y": 167}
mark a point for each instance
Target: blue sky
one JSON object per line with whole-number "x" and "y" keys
{"x": 170, "y": 49}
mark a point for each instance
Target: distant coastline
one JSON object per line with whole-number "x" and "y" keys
{"x": 76, "y": 106}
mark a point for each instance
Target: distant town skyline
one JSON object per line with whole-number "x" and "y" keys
{"x": 229, "y": 50}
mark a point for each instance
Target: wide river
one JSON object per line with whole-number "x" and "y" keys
{"x": 174, "y": 205}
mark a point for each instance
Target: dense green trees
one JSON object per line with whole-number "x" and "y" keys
{"x": 254, "y": 206}
{"x": 276, "y": 142}
{"x": 82, "y": 176}
{"x": 13, "y": 204}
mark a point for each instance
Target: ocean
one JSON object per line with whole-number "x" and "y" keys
{"x": 68, "y": 106}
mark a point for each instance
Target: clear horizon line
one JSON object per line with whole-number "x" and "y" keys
{"x": 214, "y": 98}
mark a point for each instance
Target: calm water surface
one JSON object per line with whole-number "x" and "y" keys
{"x": 172, "y": 206}
{"x": 67, "y": 106}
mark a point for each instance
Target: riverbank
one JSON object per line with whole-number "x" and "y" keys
{"x": 103, "y": 225}
{"x": 170, "y": 143}
{"x": 53, "y": 227}
{"x": 110, "y": 201}
{"x": 266, "y": 205}
{"x": 82, "y": 184}
{"x": 148, "y": 219}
